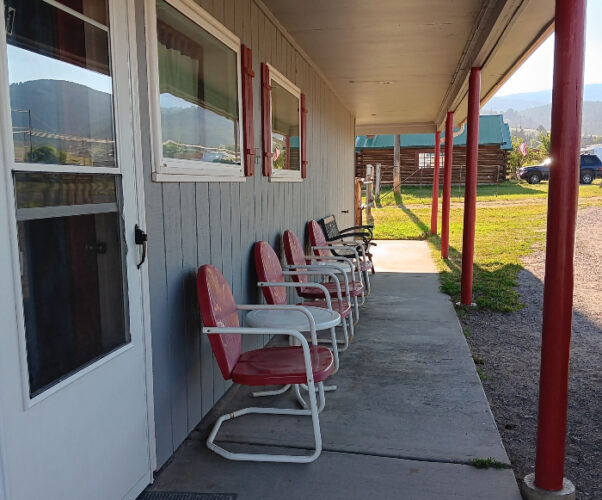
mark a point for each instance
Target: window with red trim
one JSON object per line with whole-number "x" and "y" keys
{"x": 282, "y": 127}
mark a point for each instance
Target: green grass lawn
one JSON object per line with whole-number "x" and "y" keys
{"x": 503, "y": 235}
{"x": 507, "y": 191}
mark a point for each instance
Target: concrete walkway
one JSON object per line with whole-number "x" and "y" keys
{"x": 408, "y": 415}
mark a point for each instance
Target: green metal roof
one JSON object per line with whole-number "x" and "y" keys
{"x": 492, "y": 130}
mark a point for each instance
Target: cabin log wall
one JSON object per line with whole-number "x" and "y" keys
{"x": 190, "y": 224}
{"x": 491, "y": 169}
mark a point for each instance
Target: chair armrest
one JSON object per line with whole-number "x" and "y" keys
{"x": 358, "y": 245}
{"x": 354, "y": 228}
{"x": 334, "y": 258}
{"x": 284, "y": 307}
{"x": 319, "y": 271}
{"x": 292, "y": 284}
{"x": 270, "y": 331}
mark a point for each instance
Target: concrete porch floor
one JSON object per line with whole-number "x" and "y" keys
{"x": 408, "y": 414}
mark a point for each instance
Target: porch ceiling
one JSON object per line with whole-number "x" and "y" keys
{"x": 399, "y": 66}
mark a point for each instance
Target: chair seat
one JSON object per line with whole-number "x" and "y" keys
{"x": 281, "y": 366}
{"x": 355, "y": 289}
{"x": 344, "y": 311}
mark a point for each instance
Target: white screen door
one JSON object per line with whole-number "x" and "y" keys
{"x": 74, "y": 419}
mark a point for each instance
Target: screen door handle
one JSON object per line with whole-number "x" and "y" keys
{"x": 141, "y": 238}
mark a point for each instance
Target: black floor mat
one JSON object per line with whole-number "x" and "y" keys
{"x": 171, "y": 495}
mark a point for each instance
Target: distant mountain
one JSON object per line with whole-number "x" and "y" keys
{"x": 519, "y": 102}
{"x": 62, "y": 107}
{"x": 541, "y": 115}
{"x": 71, "y": 109}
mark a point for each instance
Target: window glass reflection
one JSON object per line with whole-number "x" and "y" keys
{"x": 198, "y": 80}
{"x": 60, "y": 83}
{"x": 285, "y": 129}
{"x": 72, "y": 272}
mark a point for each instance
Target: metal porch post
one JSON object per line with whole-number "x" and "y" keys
{"x": 447, "y": 178}
{"x": 567, "y": 96}
{"x": 470, "y": 189}
{"x": 435, "y": 204}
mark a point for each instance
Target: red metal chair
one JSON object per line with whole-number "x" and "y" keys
{"x": 302, "y": 364}
{"x": 324, "y": 250}
{"x": 298, "y": 261}
{"x": 273, "y": 285}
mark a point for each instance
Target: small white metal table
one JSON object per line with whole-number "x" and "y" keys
{"x": 295, "y": 320}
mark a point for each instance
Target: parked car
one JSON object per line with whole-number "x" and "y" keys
{"x": 590, "y": 167}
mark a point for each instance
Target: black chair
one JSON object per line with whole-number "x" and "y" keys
{"x": 348, "y": 236}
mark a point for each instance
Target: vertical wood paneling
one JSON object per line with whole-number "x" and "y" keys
{"x": 215, "y": 228}
{"x": 192, "y": 340}
{"x": 203, "y": 235}
{"x": 191, "y": 224}
{"x": 175, "y": 308}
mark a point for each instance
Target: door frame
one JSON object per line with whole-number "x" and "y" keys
{"x": 123, "y": 41}
{"x": 141, "y": 213}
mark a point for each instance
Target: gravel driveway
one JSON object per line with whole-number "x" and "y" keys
{"x": 508, "y": 346}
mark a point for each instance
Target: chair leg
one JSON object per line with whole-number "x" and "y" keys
{"x": 351, "y": 327}
{"x": 344, "y": 342}
{"x": 304, "y": 403}
{"x": 262, "y": 457}
{"x": 273, "y": 392}
{"x": 367, "y": 281}
{"x": 335, "y": 350}
{"x": 357, "y": 310}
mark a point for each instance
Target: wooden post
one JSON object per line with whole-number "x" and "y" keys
{"x": 358, "y": 201}
{"x": 397, "y": 165}
{"x": 369, "y": 190}
{"x": 369, "y": 199}
{"x": 377, "y": 171}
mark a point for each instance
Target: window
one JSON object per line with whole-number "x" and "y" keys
{"x": 427, "y": 160}
{"x": 67, "y": 186}
{"x": 195, "y": 92}
{"x": 60, "y": 85}
{"x": 281, "y": 127}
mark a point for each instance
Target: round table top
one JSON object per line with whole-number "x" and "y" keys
{"x": 295, "y": 320}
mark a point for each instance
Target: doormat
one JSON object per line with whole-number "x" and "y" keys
{"x": 171, "y": 495}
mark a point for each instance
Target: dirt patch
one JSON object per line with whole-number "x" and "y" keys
{"x": 509, "y": 344}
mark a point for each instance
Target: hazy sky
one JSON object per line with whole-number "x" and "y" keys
{"x": 536, "y": 73}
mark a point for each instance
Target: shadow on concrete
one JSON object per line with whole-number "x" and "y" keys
{"x": 407, "y": 417}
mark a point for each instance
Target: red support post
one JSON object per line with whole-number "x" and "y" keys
{"x": 447, "y": 178}
{"x": 567, "y": 95}
{"x": 470, "y": 188}
{"x": 435, "y": 204}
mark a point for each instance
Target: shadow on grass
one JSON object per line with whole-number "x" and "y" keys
{"x": 511, "y": 188}
{"x": 494, "y": 285}
{"x": 417, "y": 221}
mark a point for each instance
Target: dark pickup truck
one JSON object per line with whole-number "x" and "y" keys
{"x": 590, "y": 167}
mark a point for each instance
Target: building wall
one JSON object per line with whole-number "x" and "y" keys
{"x": 491, "y": 166}
{"x": 190, "y": 224}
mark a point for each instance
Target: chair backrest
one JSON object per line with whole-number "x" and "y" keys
{"x": 219, "y": 309}
{"x": 295, "y": 256}
{"x": 267, "y": 265}
{"x": 316, "y": 238}
{"x": 330, "y": 227}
